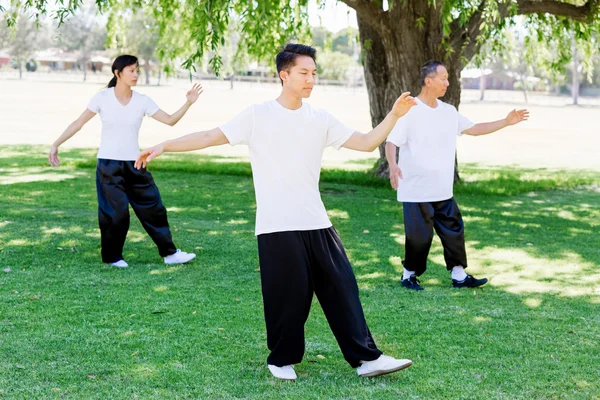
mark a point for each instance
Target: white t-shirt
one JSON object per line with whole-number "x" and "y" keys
{"x": 120, "y": 124}
{"x": 286, "y": 148}
{"x": 427, "y": 140}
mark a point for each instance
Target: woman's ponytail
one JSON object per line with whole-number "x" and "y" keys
{"x": 112, "y": 83}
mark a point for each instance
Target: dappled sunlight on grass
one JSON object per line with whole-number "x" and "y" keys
{"x": 375, "y": 275}
{"x": 481, "y": 319}
{"x": 136, "y": 236}
{"x": 160, "y": 288}
{"x": 166, "y": 270}
{"x": 532, "y": 302}
{"x": 144, "y": 371}
{"x": 176, "y": 209}
{"x": 10, "y": 176}
{"x": 431, "y": 281}
{"x": 237, "y": 222}
{"x": 338, "y": 214}
{"x": 519, "y": 272}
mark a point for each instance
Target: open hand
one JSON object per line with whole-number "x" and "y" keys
{"x": 516, "y": 116}
{"x": 404, "y": 103}
{"x": 395, "y": 174}
{"x": 148, "y": 155}
{"x": 193, "y": 94}
{"x": 53, "y": 156}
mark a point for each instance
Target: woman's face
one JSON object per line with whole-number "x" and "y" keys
{"x": 129, "y": 75}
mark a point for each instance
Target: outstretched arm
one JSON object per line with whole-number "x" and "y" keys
{"x": 171, "y": 119}
{"x": 71, "y": 130}
{"x": 369, "y": 141}
{"x": 514, "y": 117}
{"x": 193, "y": 141}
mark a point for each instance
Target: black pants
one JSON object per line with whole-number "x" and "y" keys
{"x": 295, "y": 264}
{"x": 119, "y": 184}
{"x": 420, "y": 219}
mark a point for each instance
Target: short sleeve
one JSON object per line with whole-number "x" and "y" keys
{"x": 95, "y": 102}
{"x": 239, "y": 129}
{"x": 399, "y": 133}
{"x": 464, "y": 123}
{"x": 150, "y": 107}
{"x": 337, "y": 133}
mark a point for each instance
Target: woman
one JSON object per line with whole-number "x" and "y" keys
{"x": 118, "y": 183}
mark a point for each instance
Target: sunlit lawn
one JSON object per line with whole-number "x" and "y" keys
{"x": 72, "y": 327}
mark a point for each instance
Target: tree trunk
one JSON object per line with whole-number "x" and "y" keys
{"x": 147, "y": 71}
{"x": 575, "y": 83}
{"x": 482, "y": 79}
{"x": 84, "y": 69}
{"x": 392, "y": 63}
{"x": 20, "y": 70}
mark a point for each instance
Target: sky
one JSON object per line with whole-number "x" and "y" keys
{"x": 334, "y": 17}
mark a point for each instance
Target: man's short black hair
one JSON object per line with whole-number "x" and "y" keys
{"x": 429, "y": 69}
{"x": 286, "y": 58}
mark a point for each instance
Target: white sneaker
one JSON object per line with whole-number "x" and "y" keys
{"x": 286, "y": 372}
{"x": 120, "y": 264}
{"x": 179, "y": 257}
{"x": 383, "y": 365}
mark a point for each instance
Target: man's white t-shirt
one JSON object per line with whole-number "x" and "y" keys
{"x": 286, "y": 147}
{"x": 427, "y": 140}
{"x": 120, "y": 124}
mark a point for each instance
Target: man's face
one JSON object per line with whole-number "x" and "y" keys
{"x": 300, "y": 79}
{"x": 438, "y": 83}
{"x": 130, "y": 74}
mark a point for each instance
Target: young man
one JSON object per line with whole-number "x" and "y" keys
{"x": 299, "y": 250}
{"x": 427, "y": 140}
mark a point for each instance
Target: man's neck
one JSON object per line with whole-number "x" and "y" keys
{"x": 427, "y": 98}
{"x": 289, "y": 101}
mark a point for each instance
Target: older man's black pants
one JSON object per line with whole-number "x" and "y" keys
{"x": 420, "y": 219}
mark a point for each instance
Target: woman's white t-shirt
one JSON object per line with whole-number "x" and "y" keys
{"x": 427, "y": 140}
{"x": 120, "y": 124}
{"x": 286, "y": 147}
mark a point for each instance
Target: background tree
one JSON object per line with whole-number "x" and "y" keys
{"x": 22, "y": 40}
{"x": 396, "y": 36}
{"x": 83, "y": 33}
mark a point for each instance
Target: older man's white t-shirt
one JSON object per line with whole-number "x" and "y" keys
{"x": 286, "y": 148}
{"x": 120, "y": 124}
{"x": 426, "y": 137}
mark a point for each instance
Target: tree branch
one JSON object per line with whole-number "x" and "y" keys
{"x": 371, "y": 14}
{"x": 579, "y": 13}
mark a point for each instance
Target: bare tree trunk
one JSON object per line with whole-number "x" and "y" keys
{"x": 84, "y": 68}
{"x": 482, "y": 80}
{"x": 575, "y": 83}
{"x": 20, "y": 70}
{"x": 524, "y": 86}
{"x": 147, "y": 71}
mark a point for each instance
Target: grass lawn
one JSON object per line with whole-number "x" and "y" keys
{"x": 74, "y": 328}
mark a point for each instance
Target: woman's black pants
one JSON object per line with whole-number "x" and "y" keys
{"x": 118, "y": 184}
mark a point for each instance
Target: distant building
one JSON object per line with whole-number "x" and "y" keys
{"x": 4, "y": 58}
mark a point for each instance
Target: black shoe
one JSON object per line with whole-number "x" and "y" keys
{"x": 412, "y": 283}
{"x": 469, "y": 281}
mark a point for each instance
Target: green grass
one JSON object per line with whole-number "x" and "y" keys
{"x": 74, "y": 328}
